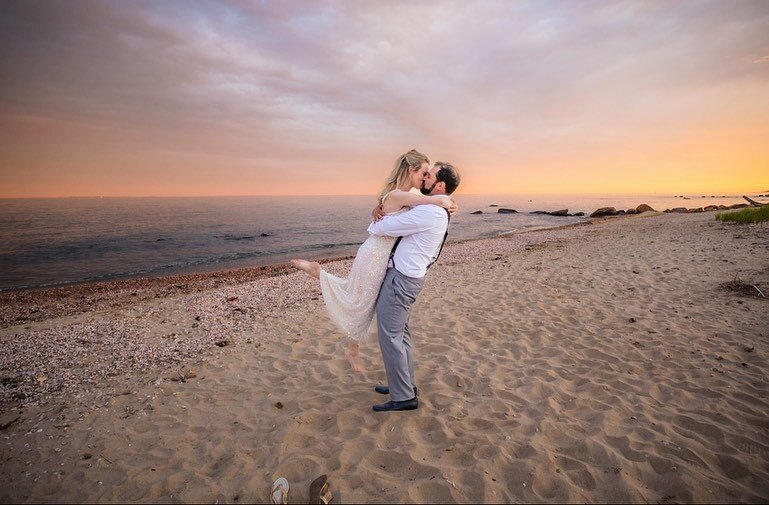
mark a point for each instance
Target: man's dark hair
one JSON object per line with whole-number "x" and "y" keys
{"x": 448, "y": 175}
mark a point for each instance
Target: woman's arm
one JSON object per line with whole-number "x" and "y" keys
{"x": 398, "y": 199}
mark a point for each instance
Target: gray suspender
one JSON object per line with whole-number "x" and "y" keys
{"x": 392, "y": 251}
{"x": 445, "y": 235}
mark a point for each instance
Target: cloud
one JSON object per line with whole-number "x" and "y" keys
{"x": 320, "y": 87}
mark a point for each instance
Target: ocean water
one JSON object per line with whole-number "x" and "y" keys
{"x": 52, "y": 242}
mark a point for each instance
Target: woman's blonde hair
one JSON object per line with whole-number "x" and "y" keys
{"x": 400, "y": 171}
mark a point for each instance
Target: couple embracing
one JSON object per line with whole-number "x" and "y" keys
{"x": 409, "y": 228}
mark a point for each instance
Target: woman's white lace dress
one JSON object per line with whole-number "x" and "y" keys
{"x": 350, "y": 302}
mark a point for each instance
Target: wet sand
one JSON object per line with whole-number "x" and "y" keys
{"x": 596, "y": 363}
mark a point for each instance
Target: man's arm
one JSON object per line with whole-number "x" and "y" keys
{"x": 418, "y": 219}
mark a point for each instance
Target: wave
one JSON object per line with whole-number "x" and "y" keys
{"x": 241, "y": 237}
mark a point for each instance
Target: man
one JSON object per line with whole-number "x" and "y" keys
{"x": 423, "y": 229}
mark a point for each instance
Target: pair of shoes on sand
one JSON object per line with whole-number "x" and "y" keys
{"x": 395, "y": 406}
{"x": 319, "y": 491}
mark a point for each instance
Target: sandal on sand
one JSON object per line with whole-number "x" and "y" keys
{"x": 279, "y": 491}
{"x": 319, "y": 491}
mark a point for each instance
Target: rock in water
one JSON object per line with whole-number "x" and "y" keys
{"x": 477, "y": 212}
{"x": 604, "y": 211}
{"x": 631, "y": 211}
{"x": 562, "y": 212}
{"x": 507, "y": 211}
{"x": 644, "y": 208}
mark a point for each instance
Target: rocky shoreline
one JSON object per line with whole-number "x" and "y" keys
{"x": 613, "y": 211}
{"x": 23, "y": 306}
{"x": 19, "y": 307}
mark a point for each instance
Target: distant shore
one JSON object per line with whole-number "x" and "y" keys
{"x": 199, "y": 235}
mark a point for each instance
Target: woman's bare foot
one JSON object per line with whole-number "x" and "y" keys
{"x": 352, "y": 355}
{"x": 311, "y": 268}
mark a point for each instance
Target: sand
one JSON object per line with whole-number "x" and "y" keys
{"x": 597, "y": 363}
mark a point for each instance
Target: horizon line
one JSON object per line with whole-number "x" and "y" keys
{"x": 671, "y": 193}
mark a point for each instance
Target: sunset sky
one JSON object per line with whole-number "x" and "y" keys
{"x": 137, "y": 98}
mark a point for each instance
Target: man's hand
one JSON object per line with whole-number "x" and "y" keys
{"x": 447, "y": 203}
{"x": 453, "y": 207}
{"x": 377, "y": 213}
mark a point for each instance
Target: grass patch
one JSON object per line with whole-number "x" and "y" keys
{"x": 746, "y": 215}
{"x": 743, "y": 288}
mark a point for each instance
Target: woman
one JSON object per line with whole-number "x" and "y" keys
{"x": 350, "y": 302}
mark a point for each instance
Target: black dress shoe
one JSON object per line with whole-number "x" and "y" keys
{"x": 392, "y": 405}
{"x": 385, "y": 390}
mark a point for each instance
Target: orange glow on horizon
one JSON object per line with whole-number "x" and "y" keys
{"x": 704, "y": 163}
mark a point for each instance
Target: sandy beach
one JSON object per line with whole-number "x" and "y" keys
{"x": 607, "y": 362}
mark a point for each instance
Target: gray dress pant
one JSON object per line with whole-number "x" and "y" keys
{"x": 393, "y": 307}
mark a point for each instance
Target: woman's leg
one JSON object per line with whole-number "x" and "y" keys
{"x": 353, "y": 355}
{"x": 311, "y": 268}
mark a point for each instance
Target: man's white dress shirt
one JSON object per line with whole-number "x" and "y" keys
{"x": 422, "y": 229}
